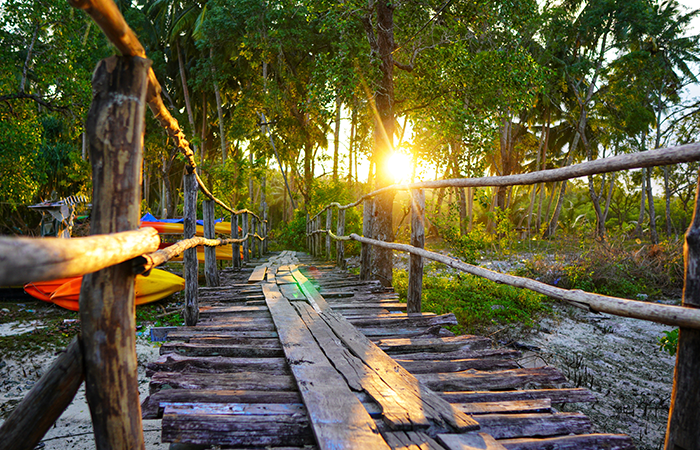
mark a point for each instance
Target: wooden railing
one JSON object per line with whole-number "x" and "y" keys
{"x": 683, "y": 428}
{"x": 104, "y": 353}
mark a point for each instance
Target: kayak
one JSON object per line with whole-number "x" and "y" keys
{"x": 178, "y": 228}
{"x": 42, "y": 290}
{"x": 159, "y": 284}
{"x": 223, "y": 252}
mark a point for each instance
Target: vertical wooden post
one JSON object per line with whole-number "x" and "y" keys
{"x": 253, "y": 241}
{"x": 308, "y": 233}
{"x": 266, "y": 224}
{"x": 258, "y": 232}
{"x": 319, "y": 238}
{"x": 329, "y": 224}
{"x": 191, "y": 264}
{"x": 115, "y": 127}
{"x": 683, "y": 430}
{"x": 245, "y": 232}
{"x": 236, "y": 248}
{"x": 366, "y": 251}
{"x": 211, "y": 274}
{"x": 340, "y": 245}
{"x": 415, "y": 268}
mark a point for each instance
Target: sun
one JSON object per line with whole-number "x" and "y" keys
{"x": 400, "y": 166}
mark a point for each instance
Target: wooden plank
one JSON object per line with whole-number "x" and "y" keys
{"x": 285, "y": 279}
{"x": 405, "y": 321}
{"x": 214, "y": 349}
{"x": 399, "y": 412}
{"x": 469, "y": 441}
{"x": 337, "y": 417}
{"x": 395, "y": 346}
{"x": 502, "y": 426}
{"x": 259, "y": 430}
{"x": 221, "y": 381}
{"x": 471, "y": 380}
{"x": 457, "y": 365}
{"x": 291, "y": 292}
{"x": 173, "y": 362}
{"x": 410, "y": 440}
{"x": 382, "y": 333}
{"x": 391, "y": 372}
{"x": 507, "y": 407}
{"x": 576, "y": 442}
{"x": 556, "y": 396}
{"x": 152, "y": 406}
{"x": 390, "y": 305}
{"x": 459, "y": 354}
{"x": 185, "y": 334}
{"x": 258, "y": 274}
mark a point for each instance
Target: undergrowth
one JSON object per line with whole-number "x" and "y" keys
{"x": 478, "y": 304}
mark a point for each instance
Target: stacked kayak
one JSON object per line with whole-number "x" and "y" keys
{"x": 66, "y": 291}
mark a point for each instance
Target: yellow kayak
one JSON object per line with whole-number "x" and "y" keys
{"x": 159, "y": 284}
{"x": 178, "y": 228}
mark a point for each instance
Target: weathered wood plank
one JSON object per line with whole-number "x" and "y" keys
{"x": 172, "y": 362}
{"x": 185, "y": 334}
{"x": 152, "y": 406}
{"x": 399, "y": 412}
{"x": 457, "y": 365}
{"x": 390, "y": 371}
{"x": 405, "y": 321}
{"x": 260, "y": 430}
{"x": 557, "y": 396}
{"x": 507, "y": 407}
{"x": 470, "y": 441}
{"x": 291, "y": 292}
{"x": 459, "y": 354}
{"x": 471, "y": 380}
{"x": 447, "y": 344}
{"x": 337, "y": 417}
{"x": 410, "y": 440}
{"x": 502, "y": 426}
{"x": 576, "y": 442}
{"x": 221, "y": 381}
{"x": 214, "y": 349}
{"x": 258, "y": 274}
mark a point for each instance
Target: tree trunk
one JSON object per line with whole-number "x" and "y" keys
{"x": 336, "y": 137}
{"x": 667, "y": 195}
{"x": 642, "y": 205}
{"x": 652, "y": 210}
{"x": 185, "y": 90}
{"x": 115, "y": 125}
{"x": 219, "y": 109}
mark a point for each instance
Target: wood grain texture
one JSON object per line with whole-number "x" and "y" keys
{"x": 338, "y": 419}
{"x": 211, "y": 273}
{"x": 415, "y": 264}
{"x": 190, "y": 262}
{"x": 576, "y": 442}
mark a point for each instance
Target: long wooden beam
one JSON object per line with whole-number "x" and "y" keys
{"x": 23, "y": 260}
{"x": 678, "y": 316}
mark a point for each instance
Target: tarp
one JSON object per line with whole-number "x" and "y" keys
{"x": 148, "y": 217}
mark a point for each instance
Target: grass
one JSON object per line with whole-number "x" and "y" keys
{"x": 478, "y": 304}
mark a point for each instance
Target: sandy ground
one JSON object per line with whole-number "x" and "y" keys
{"x": 73, "y": 430}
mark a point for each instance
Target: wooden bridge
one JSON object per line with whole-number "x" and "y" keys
{"x": 298, "y": 353}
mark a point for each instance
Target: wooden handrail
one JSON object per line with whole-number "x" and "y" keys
{"x": 23, "y": 260}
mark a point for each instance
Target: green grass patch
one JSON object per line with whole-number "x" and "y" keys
{"x": 478, "y": 304}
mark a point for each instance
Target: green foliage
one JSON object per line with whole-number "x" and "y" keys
{"x": 468, "y": 247}
{"x": 290, "y": 235}
{"x": 476, "y": 302}
{"x": 669, "y": 342}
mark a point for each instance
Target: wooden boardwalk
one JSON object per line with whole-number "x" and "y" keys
{"x": 300, "y": 355}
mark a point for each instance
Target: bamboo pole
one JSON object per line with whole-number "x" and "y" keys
{"x": 191, "y": 264}
{"x": 23, "y": 260}
{"x": 683, "y": 430}
{"x": 415, "y": 268}
{"x": 115, "y": 127}
{"x": 211, "y": 274}
{"x": 654, "y": 312}
{"x": 45, "y": 402}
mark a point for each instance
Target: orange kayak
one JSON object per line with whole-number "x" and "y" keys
{"x": 159, "y": 284}
{"x": 42, "y": 290}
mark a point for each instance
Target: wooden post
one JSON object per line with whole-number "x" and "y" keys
{"x": 340, "y": 245}
{"x": 683, "y": 430}
{"x": 258, "y": 245}
{"x": 115, "y": 128}
{"x": 308, "y": 233}
{"x": 366, "y": 251}
{"x": 266, "y": 224}
{"x": 253, "y": 239}
{"x": 245, "y": 232}
{"x": 415, "y": 268}
{"x": 236, "y": 248}
{"x": 319, "y": 238}
{"x": 211, "y": 274}
{"x": 191, "y": 264}
{"x": 329, "y": 224}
